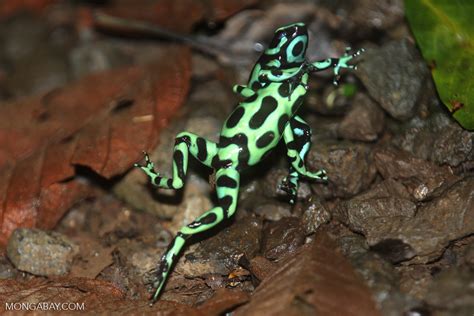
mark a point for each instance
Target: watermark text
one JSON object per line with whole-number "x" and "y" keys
{"x": 45, "y": 306}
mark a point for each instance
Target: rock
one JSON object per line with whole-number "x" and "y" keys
{"x": 422, "y": 179}
{"x": 272, "y": 181}
{"x": 415, "y": 280}
{"x": 379, "y": 275}
{"x": 385, "y": 189}
{"x": 349, "y": 167}
{"x": 212, "y": 99}
{"x": 452, "y": 291}
{"x": 370, "y": 216}
{"x": 41, "y": 253}
{"x": 468, "y": 254}
{"x": 22, "y": 34}
{"x": 273, "y": 211}
{"x": 250, "y": 195}
{"x": 444, "y": 219}
{"x": 195, "y": 201}
{"x": 394, "y": 76}
{"x": 221, "y": 252}
{"x": 453, "y": 145}
{"x": 37, "y": 60}
{"x": 7, "y": 270}
{"x": 203, "y": 66}
{"x": 365, "y": 16}
{"x": 142, "y": 259}
{"x": 364, "y": 122}
{"x": 432, "y": 139}
{"x": 333, "y": 101}
{"x": 315, "y": 215}
{"x": 42, "y": 71}
{"x": 282, "y": 237}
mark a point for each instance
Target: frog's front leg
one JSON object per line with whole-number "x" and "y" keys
{"x": 296, "y": 161}
{"x": 336, "y": 63}
{"x": 302, "y": 139}
{"x": 185, "y": 143}
{"x": 244, "y": 91}
{"x": 227, "y": 188}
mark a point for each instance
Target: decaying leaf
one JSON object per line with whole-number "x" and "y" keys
{"x": 444, "y": 32}
{"x": 10, "y": 7}
{"x": 166, "y": 13}
{"x": 103, "y": 122}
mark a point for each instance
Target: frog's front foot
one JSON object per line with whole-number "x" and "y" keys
{"x": 343, "y": 63}
{"x": 148, "y": 168}
{"x": 289, "y": 186}
{"x": 320, "y": 175}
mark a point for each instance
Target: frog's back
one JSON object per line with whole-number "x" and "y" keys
{"x": 256, "y": 125}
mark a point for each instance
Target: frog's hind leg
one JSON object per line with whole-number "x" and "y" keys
{"x": 185, "y": 143}
{"x": 227, "y": 187}
{"x": 302, "y": 142}
{"x": 299, "y": 134}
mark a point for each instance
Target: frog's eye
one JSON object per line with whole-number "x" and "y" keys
{"x": 296, "y": 49}
{"x": 281, "y": 35}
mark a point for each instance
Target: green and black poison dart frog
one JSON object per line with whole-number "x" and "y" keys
{"x": 267, "y": 114}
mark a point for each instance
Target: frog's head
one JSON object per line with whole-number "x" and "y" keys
{"x": 289, "y": 43}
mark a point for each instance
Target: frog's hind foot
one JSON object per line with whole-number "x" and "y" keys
{"x": 149, "y": 169}
{"x": 289, "y": 185}
{"x": 321, "y": 176}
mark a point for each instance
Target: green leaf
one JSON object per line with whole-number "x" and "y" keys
{"x": 444, "y": 30}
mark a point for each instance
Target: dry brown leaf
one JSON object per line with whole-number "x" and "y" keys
{"x": 177, "y": 16}
{"x": 10, "y": 7}
{"x": 103, "y": 122}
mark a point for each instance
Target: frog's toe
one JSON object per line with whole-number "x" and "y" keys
{"x": 323, "y": 176}
{"x": 148, "y": 162}
{"x": 358, "y": 52}
{"x": 289, "y": 188}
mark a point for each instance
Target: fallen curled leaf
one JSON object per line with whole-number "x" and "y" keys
{"x": 10, "y": 7}
{"x": 222, "y": 9}
{"x": 177, "y": 16}
{"x": 102, "y": 122}
{"x": 318, "y": 280}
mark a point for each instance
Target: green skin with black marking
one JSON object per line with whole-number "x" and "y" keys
{"x": 276, "y": 89}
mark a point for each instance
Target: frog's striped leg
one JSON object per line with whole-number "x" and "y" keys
{"x": 302, "y": 138}
{"x": 242, "y": 90}
{"x": 185, "y": 143}
{"x": 296, "y": 160}
{"x": 227, "y": 188}
{"x": 336, "y": 63}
